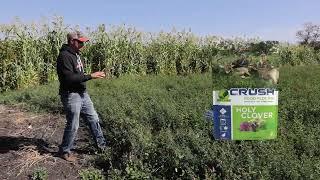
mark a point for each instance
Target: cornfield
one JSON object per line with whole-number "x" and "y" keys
{"x": 28, "y": 51}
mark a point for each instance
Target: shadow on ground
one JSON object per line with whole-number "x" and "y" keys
{"x": 8, "y": 143}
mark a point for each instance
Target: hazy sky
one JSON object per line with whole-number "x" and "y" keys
{"x": 270, "y": 19}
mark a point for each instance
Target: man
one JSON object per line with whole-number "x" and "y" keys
{"x": 74, "y": 97}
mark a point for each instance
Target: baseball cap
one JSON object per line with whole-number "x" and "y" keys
{"x": 77, "y": 35}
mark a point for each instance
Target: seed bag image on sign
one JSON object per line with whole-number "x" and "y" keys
{"x": 245, "y": 113}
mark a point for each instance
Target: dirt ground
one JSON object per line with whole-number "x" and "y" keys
{"x": 29, "y": 141}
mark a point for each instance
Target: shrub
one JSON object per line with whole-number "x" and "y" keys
{"x": 91, "y": 174}
{"x": 39, "y": 174}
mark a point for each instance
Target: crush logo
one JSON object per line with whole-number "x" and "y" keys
{"x": 223, "y": 96}
{"x": 250, "y": 91}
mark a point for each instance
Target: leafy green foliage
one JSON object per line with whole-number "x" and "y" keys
{"x": 298, "y": 55}
{"x": 91, "y": 174}
{"x": 40, "y": 174}
{"x": 156, "y": 127}
{"x": 263, "y": 47}
{"x": 155, "y": 124}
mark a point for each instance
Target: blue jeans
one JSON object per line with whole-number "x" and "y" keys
{"x": 76, "y": 105}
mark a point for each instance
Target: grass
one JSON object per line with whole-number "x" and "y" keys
{"x": 156, "y": 127}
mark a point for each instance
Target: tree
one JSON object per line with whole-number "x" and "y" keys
{"x": 310, "y": 35}
{"x": 262, "y": 47}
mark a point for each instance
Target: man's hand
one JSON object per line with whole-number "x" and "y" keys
{"x": 98, "y": 75}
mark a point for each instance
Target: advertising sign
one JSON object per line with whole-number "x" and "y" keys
{"x": 245, "y": 113}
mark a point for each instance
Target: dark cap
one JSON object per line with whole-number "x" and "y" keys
{"x": 77, "y": 35}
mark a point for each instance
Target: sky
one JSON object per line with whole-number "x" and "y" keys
{"x": 268, "y": 20}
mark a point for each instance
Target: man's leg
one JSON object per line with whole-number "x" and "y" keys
{"x": 90, "y": 115}
{"x": 72, "y": 106}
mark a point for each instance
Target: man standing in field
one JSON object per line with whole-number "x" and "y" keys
{"x": 74, "y": 97}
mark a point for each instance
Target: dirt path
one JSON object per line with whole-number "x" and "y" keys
{"x": 30, "y": 141}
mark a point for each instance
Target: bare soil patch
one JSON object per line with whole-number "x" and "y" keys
{"x": 29, "y": 141}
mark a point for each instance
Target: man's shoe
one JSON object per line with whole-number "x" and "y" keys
{"x": 68, "y": 157}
